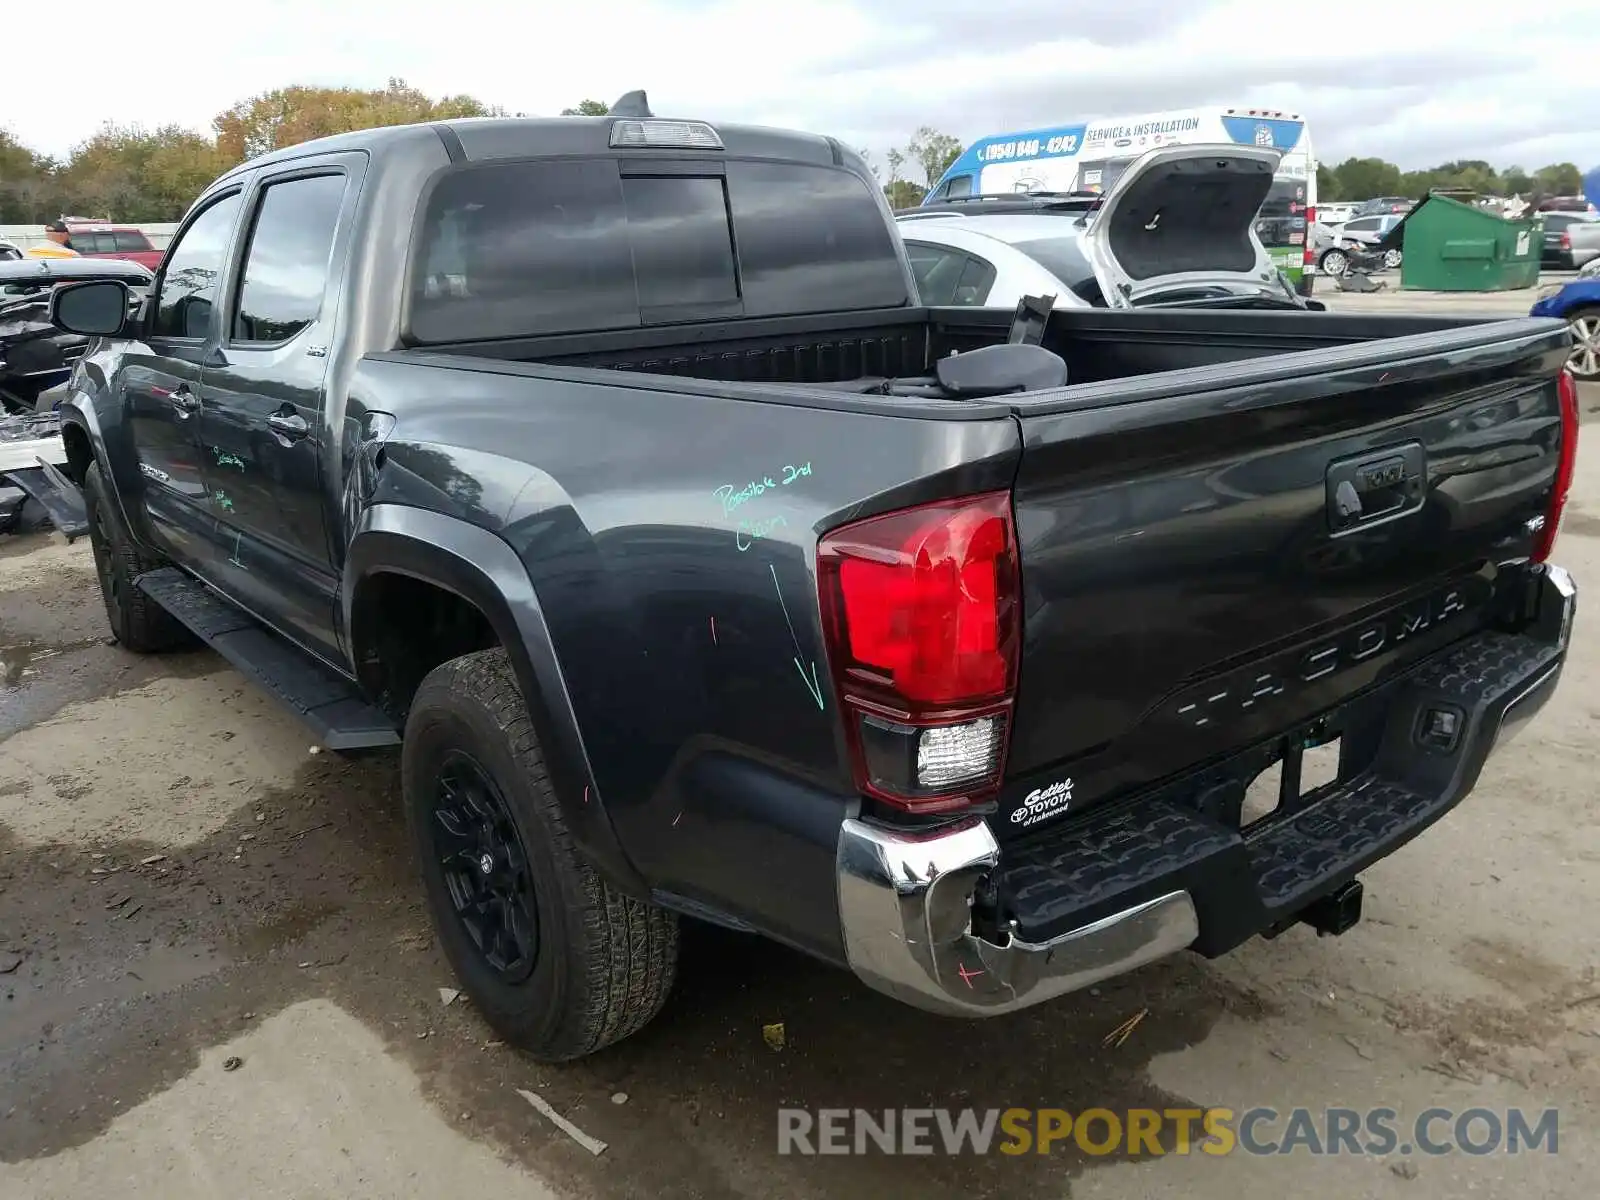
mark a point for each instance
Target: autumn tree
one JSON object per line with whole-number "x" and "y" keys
{"x": 587, "y": 108}
{"x": 290, "y": 115}
{"x": 933, "y": 152}
{"x": 134, "y": 174}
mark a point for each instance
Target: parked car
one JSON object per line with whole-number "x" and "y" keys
{"x": 34, "y": 354}
{"x": 114, "y": 241}
{"x": 1577, "y": 302}
{"x": 996, "y": 259}
{"x": 1358, "y": 231}
{"x": 1566, "y": 204}
{"x": 699, "y": 570}
{"x": 1380, "y": 205}
{"x": 1334, "y": 214}
{"x": 1571, "y": 239}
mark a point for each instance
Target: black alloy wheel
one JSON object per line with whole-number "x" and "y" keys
{"x": 485, "y": 867}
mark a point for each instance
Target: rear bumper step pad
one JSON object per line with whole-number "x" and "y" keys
{"x": 1247, "y": 882}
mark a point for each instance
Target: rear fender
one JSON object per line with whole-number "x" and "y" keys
{"x": 483, "y": 570}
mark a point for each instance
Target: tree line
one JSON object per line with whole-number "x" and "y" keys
{"x": 1365, "y": 178}
{"x": 128, "y": 173}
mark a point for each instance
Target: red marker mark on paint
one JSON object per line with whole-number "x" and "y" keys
{"x": 1382, "y": 377}
{"x": 586, "y": 793}
{"x": 676, "y": 819}
{"x": 966, "y": 976}
{"x": 713, "y": 631}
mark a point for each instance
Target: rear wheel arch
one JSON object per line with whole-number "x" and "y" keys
{"x": 472, "y": 581}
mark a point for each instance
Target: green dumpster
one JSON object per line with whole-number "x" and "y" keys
{"x": 1454, "y": 247}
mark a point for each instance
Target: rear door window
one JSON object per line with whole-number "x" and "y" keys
{"x": 977, "y": 277}
{"x": 517, "y": 249}
{"x": 129, "y": 241}
{"x": 286, "y": 260}
{"x": 937, "y": 271}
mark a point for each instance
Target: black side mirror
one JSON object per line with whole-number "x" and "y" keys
{"x": 96, "y": 308}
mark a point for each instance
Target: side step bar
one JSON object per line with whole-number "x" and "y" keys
{"x": 331, "y": 705}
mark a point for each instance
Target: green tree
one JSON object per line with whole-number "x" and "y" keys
{"x": 902, "y": 193}
{"x": 1516, "y": 181}
{"x": 28, "y": 190}
{"x": 290, "y": 115}
{"x": 1558, "y": 179}
{"x": 933, "y": 152}
{"x": 1328, "y": 188}
{"x": 587, "y": 108}
{"x": 1363, "y": 178}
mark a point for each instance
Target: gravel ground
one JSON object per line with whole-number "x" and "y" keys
{"x": 216, "y": 979}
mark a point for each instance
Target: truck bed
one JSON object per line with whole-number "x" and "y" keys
{"x": 1098, "y": 346}
{"x": 1172, "y": 503}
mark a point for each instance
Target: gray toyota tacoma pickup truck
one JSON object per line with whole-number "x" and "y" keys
{"x": 611, "y": 469}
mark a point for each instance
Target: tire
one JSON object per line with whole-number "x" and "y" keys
{"x": 1585, "y": 357}
{"x": 1392, "y": 259}
{"x": 1333, "y": 262}
{"x": 558, "y": 962}
{"x": 137, "y": 622}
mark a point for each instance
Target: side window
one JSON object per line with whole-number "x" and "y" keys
{"x": 972, "y": 289}
{"x": 1362, "y": 225}
{"x": 130, "y": 240}
{"x": 958, "y": 187}
{"x": 937, "y": 271}
{"x": 286, "y": 261}
{"x": 189, "y": 276}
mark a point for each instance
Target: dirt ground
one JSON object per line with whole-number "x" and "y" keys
{"x": 216, "y": 978}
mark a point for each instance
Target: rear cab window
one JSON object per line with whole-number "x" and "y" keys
{"x": 528, "y": 247}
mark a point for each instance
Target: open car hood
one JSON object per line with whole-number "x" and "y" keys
{"x": 1182, "y": 219}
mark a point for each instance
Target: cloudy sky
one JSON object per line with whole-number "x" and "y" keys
{"x": 1430, "y": 80}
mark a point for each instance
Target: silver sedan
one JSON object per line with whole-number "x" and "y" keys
{"x": 994, "y": 261}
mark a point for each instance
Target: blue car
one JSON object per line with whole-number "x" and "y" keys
{"x": 1578, "y": 303}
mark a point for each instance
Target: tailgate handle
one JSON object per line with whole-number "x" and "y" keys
{"x": 1376, "y": 487}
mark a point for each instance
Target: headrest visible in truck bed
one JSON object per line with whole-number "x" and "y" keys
{"x": 998, "y": 370}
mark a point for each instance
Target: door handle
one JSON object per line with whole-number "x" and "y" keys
{"x": 185, "y": 401}
{"x": 289, "y": 426}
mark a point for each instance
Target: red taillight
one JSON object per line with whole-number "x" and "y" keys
{"x": 1566, "y": 240}
{"x": 921, "y": 609}
{"x": 1310, "y": 256}
{"x": 1567, "y": 390}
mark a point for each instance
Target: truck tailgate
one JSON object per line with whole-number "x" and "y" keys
{"x": 1205, "y": 570}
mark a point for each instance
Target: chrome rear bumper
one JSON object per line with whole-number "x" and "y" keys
{"x": 905, "y": 902}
